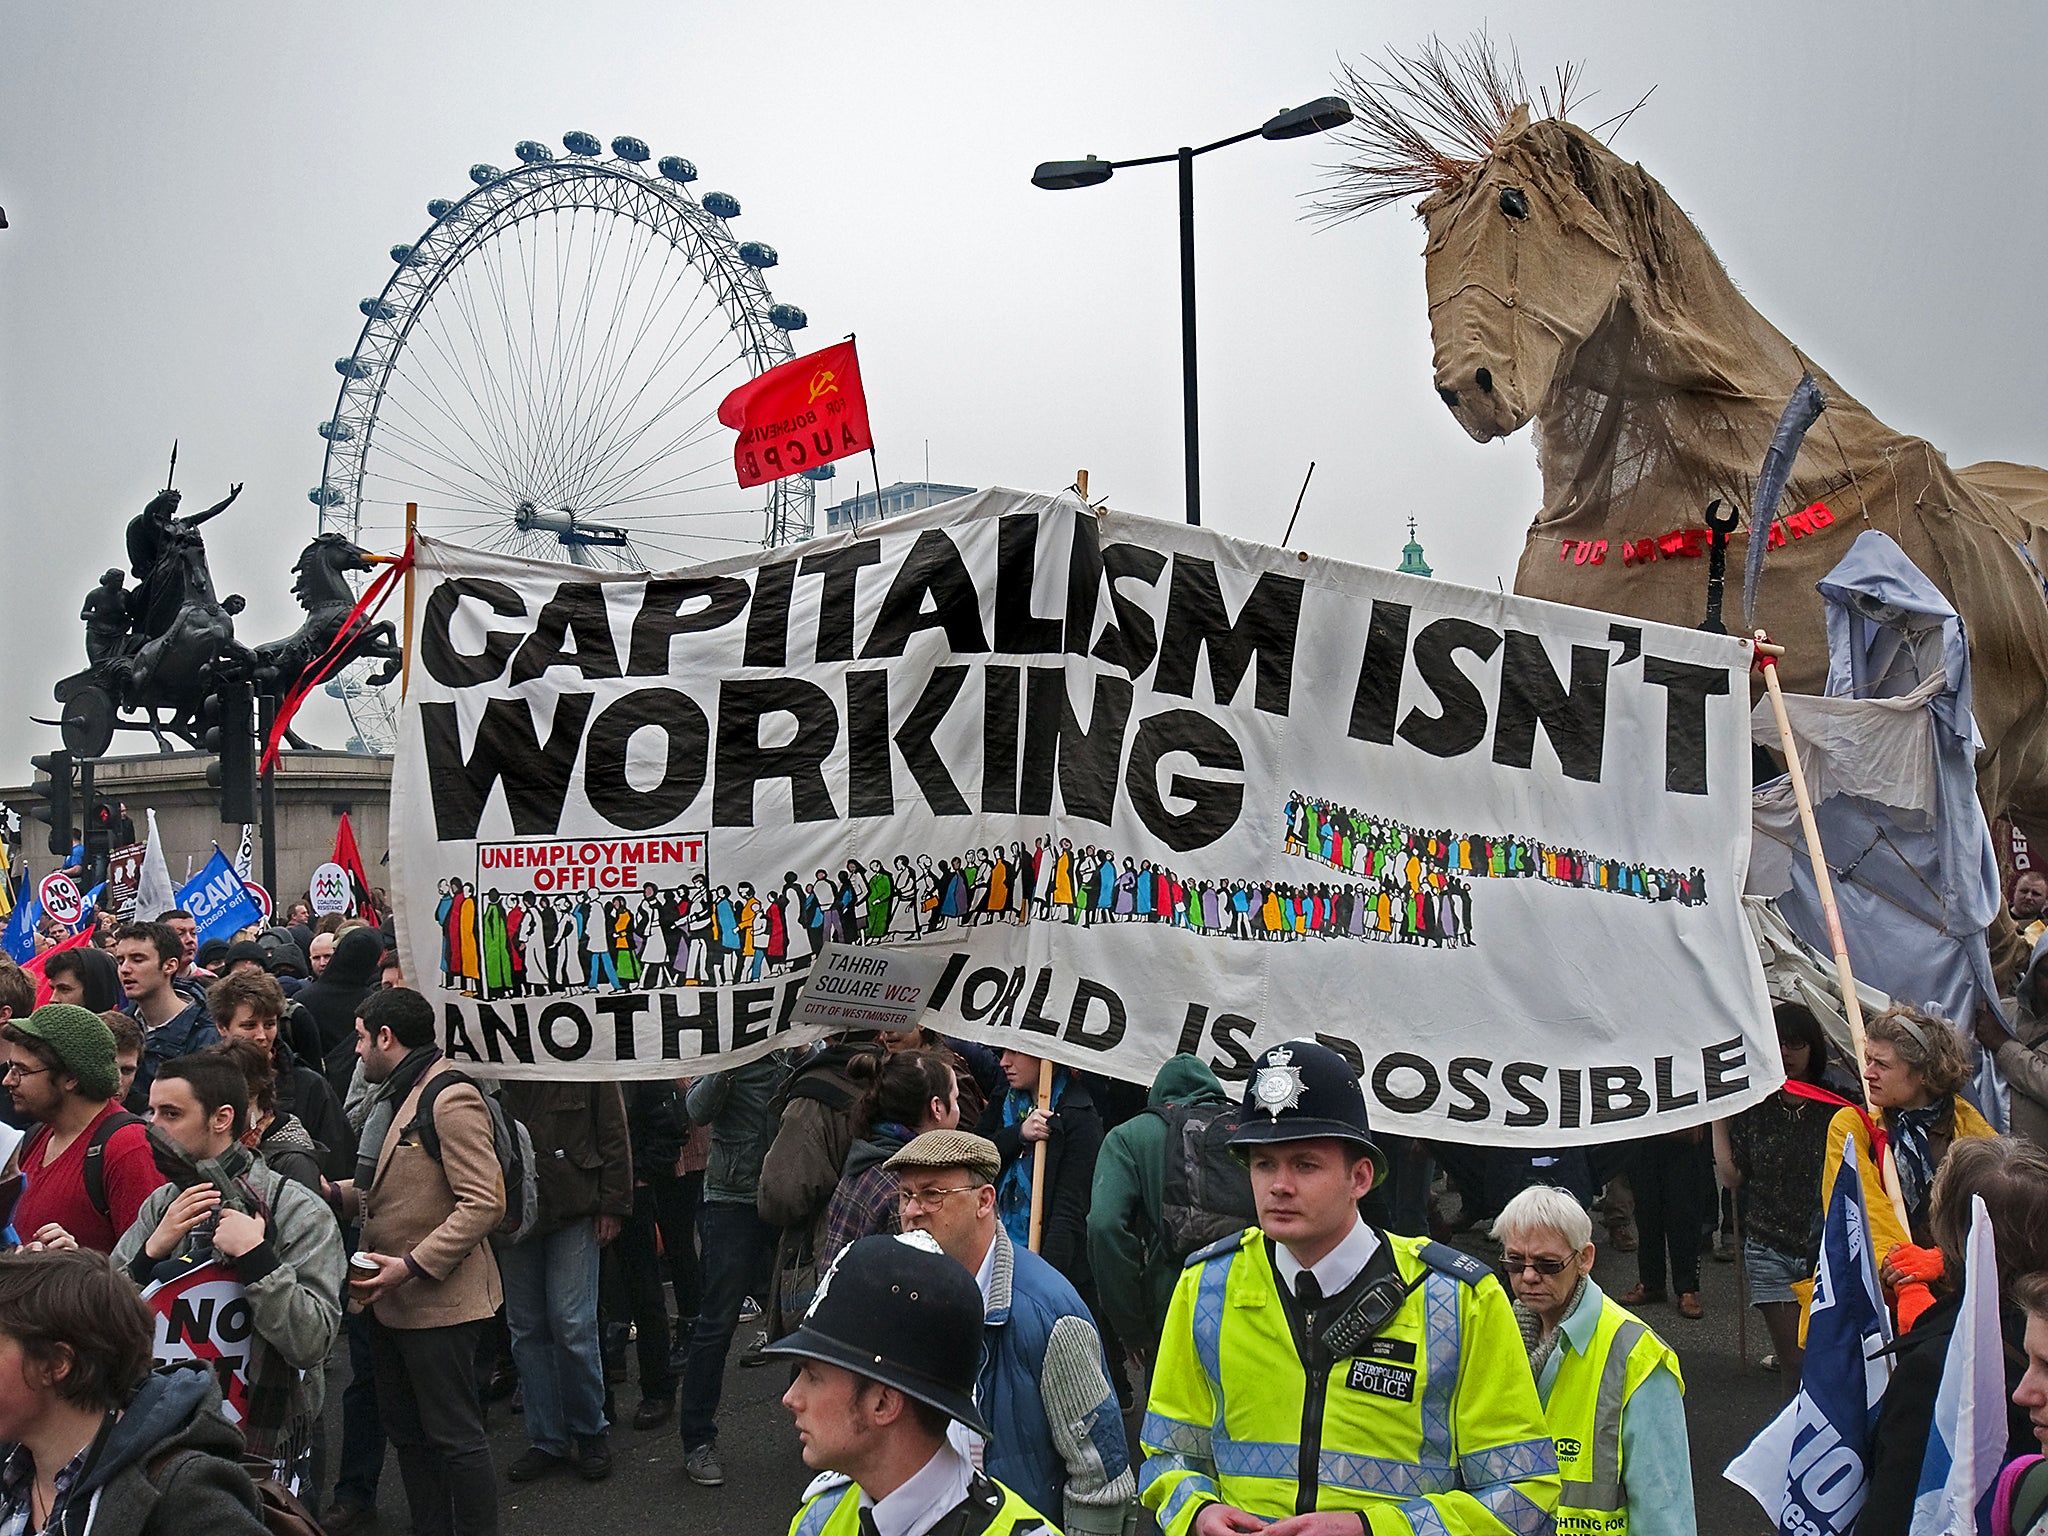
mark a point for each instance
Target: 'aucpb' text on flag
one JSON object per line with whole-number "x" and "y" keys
{"x": 799, "y": 414}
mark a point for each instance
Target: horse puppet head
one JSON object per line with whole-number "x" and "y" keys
{"x": 1520, "y": 269}
{"x": 1521, "y": 266}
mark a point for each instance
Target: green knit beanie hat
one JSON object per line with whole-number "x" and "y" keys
{"x": 82, "y": 1042}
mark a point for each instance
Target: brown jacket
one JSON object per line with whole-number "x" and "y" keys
{"x": 442, "y": 1213}
{"x": 582, "y": 1155}
{"x": 2024, "y": 1061}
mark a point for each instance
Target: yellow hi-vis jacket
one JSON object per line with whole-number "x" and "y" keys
{"x": 1433, "y": 1427}
{"x": 832, "y": 1508}
{"x": 1586, "y": 1404}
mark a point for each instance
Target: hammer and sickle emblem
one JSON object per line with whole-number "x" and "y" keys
{"x": 823, "y": 382}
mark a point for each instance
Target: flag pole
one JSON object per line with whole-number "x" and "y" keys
{"x": 1038, "y": 1158}
{"x": 1824, "y": 887}
{"x": 412, "y": 523}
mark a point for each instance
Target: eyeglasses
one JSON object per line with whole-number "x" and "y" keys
{"x": 929, "y": 1199}
{"x": 1515, "y": 1263}
{"x": 15, "y": 1069}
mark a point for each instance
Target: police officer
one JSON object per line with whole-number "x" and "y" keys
{"x": 1317, "y": 1376}
{"x": 888, "y": 1354}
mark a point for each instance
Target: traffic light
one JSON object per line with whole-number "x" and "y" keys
{"x": 99, "y": 839}
{"x": 228, "y": 717}
{"x": 56, "y": 792}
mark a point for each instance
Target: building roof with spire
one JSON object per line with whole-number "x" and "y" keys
{"x": 1412, "y": 563}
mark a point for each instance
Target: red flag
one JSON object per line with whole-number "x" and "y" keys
{"x": 351, "y": 862}
{"x": 34, "y": 968}
{"x": 807, "y": 411}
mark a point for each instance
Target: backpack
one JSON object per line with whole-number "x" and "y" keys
{"x": 276, "y": 1505}
{"x": 96, "y": 1157}
{"x": 508, "y": 1139}
{"x": 1208, "y": 1193}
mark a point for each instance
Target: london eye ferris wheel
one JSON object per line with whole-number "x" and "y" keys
{"x": 541, "y": 376}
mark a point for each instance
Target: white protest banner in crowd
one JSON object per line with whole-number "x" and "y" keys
{"x": 1146, "y": 788}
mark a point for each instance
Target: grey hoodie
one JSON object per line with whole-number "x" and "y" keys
{"x": 172, "y": 1425}
{"x": 293, "y": 1278}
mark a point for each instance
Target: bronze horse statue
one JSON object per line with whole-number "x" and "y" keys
{"x": 1568, "y": 288}
{"x": 165, "y": 652}
{"x": 323, "y": 591}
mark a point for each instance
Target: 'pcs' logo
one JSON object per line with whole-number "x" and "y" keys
{"x": 1568, "y": 1449}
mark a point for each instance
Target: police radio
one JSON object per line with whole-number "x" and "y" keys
{"x": 1372, "y": 1311}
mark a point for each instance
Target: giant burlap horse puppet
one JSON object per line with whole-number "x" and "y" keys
{"x": 1568, "y": 288}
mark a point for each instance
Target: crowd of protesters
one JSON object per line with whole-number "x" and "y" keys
{"x": 277, "y": 1103}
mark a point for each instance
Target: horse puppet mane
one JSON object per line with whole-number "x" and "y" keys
{"x": 1670, "y": 400}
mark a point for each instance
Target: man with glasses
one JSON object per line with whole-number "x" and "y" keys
{"x": 1056, "y": 1436}
{"x": 87, "y": 1164}
{"x": 1318, "y": 1377}
{"x": 1610, "y": 1387}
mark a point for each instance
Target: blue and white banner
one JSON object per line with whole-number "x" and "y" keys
{"x": 19, "y": 937}
{"x": 1810, "y": 1466}
{"x": 218, "y": 901}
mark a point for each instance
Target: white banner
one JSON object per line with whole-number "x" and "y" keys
{"x": 1149, "y": 789}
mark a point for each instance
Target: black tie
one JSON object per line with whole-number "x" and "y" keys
{"x": 867, "y": 1523}
{"x": 1308, "y": 1290}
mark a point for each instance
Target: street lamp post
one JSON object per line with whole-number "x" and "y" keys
{"x": 1062, "y": 175}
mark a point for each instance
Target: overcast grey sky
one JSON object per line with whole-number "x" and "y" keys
{"x": 200, "y": 193}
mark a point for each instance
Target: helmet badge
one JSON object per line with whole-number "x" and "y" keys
{"x": 1278, "y": 1085}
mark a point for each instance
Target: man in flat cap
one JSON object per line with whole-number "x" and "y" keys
{"x": 1044, "y": 1388}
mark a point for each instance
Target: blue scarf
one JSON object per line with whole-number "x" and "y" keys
{"x": 1915, "y": 1158}
{"x": 1013, "y": 1188}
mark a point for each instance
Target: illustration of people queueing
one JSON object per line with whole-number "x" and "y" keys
{"x": 1403, "y": 885}
{"x": 1361, "y": 843}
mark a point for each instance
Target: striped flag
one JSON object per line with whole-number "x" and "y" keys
{"x": 1968, "y": 1443}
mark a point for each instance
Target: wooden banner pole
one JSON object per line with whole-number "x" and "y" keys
{"x": 1038, "y": 1150}
{"x": 1824, "y": 887}
{"x": 412, "y": 522}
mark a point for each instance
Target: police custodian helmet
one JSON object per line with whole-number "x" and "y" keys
{"x": 898, "y": 1311}
{"x": 1303, "y": 1091}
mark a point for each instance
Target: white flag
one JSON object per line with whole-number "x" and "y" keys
{"x": 245, "y": 856}
{"x": 1968, "y": 1443}
{"x": 154, "y": 893}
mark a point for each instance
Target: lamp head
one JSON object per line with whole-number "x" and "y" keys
{"x": 1318, "y": 116}
{"x": 1060, "y": 175}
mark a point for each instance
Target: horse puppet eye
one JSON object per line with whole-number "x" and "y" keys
{"x": 1514, "y": 202}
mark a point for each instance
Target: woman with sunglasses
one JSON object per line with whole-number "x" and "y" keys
{"x": 1625, "y": 1451}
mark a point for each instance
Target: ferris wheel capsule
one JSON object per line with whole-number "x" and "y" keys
{"x": 676, "y": 168}
{"x": 758, "y": 256}
{"x": 324, "y": 496}
{"x": 439, "y": 208}
{"x": 578, "y": 142}
{"x": 483, "y": 174}
{"x": 721, "y": 205}
{"x": 787, "y": 317}
{"x": 377, "y": 309}
{"x": 626, "y": 147}
{"x": 401, "y": 254}
{"x": 335, "y": 431}
{"x": 351, "y": 368}
{"x": 533, "y": 152}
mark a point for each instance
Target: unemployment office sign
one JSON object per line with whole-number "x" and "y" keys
{"x": 1146, "y": 789}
